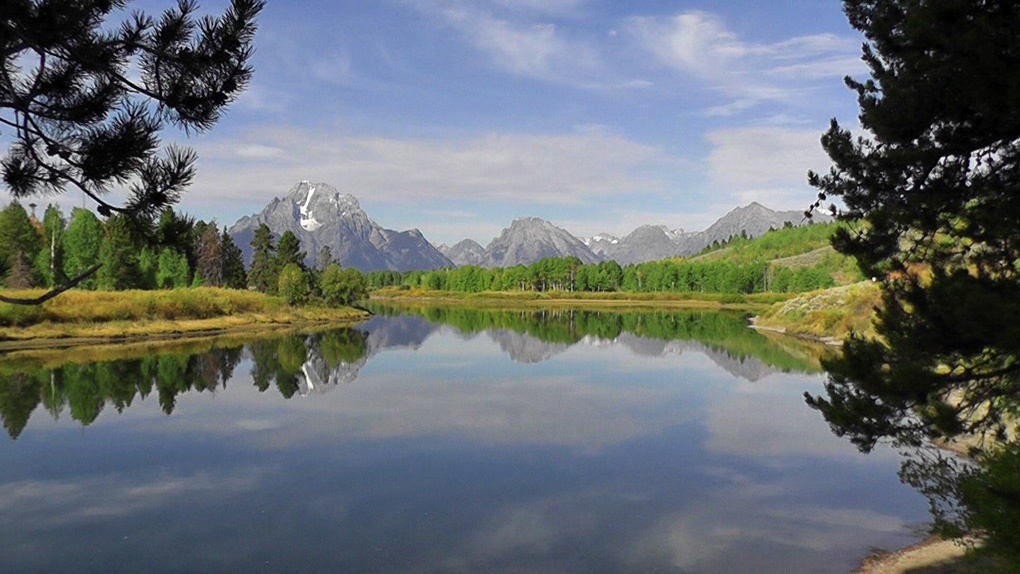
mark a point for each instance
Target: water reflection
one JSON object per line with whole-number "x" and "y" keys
{"x": 303, "y": 364}
{"x": 625, "y": 448}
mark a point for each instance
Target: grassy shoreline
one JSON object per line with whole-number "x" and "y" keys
{"x": 86, "y": 317}
{"x": 80, "y": 317}
{"x": 530, "y": 299}
{"x": 829, "y": 315}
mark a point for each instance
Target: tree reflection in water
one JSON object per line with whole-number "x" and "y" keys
{"x": 313, "y": 363}
{"x": 84, "y": 390}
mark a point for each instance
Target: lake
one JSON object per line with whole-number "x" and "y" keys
{"x": 442, "y": 440}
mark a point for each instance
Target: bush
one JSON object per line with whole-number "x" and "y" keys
{"x": 342, "y": 286}
{"x": 294, "y": 285}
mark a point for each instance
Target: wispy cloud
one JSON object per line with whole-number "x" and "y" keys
{"x": 766, "y": 163}
{"x": 700, "y": 45}
{"x": 523, "y": 46}
{"x": 551, "y": 169}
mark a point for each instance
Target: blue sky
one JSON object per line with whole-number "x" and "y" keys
{"x": 457, "y": 116}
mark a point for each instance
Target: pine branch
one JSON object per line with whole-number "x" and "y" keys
{"x": 53, "y": 292}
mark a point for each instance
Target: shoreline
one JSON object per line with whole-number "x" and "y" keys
{"x": 484, "y": 301}
{"x": 36, "y": 344}
{"x": 57, "y": 336}
{"x": 933, "y": 555}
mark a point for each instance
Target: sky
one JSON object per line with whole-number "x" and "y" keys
{"x": 457, "y": 116}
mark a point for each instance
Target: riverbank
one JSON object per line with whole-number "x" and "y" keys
{"x": 80, "y": 317}
{"x": 829, "y": 315}
{"x": 757, "y": 302}
{"x": 930, "y": 556}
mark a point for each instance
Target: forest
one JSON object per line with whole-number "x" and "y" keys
{"x": 740, "y": 265}
{"x": 176, "y": 252}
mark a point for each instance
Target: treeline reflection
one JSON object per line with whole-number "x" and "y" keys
{"x": 313, "y": 363}
{"x": 721, "y": 332}
{"x": 287, "y": 363}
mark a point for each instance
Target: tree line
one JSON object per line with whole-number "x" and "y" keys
{"x": 178, "y": 252}
{"x": 570, "y": 274}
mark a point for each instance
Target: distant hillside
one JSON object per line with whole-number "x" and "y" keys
{"x": 790, "y": 248}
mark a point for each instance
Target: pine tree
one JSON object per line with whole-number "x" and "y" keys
{"x": 148, "y": 268}
{"x": 233, "y": 263}
{"x": 210, "y": 256}
{"x": 81, "y": 244}
{"x": 118, "y": 253}
{"x": 289, "y": 251}
{"x": 263, "y": 272}
{"x": 19, "y": 245}
{"x": 171, "y": 269}
{"x": 85, "y": 122}
{"x": 937, "y": 183}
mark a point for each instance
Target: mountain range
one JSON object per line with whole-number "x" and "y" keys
{"x": 320, "y": 216}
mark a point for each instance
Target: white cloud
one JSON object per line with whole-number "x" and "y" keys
{"x": 700, "y": 45}
{"x": 527, "y": 48}
{"x": 334, "y": 69}
{"x": 766, "y": 163}
{"x": 548, "y": 169}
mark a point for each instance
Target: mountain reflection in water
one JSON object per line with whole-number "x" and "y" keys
{"x": 440, "y": 440}
{"x": 303, "y": 364}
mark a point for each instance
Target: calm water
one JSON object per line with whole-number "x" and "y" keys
{"x": 442, "y": 441}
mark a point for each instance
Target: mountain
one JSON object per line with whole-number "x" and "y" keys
{"x": 466, "y": 252}
{"x": 529, "y": 239}
{"x": 319, "y": 216}
{"x": 651, "y": 242}
{"x": 753, "y": 219}
{"x": 646, "y": 243}
{"x": 600, "y": 243}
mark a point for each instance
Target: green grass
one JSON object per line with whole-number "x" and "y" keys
{"x": 111, "y": 314}
{"x": 533, "y": 298}
{"x": 830, "y": 313}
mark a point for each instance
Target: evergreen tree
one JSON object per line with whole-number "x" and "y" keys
{"x": 81, "y": 245}
{"x": 937, "y": 184}
{"x": 19, "y": 245}
{"x": 289, "y": 251}
{"x": 84, "y": 121}
{"x": 118, "y": 253}
{"x": 148, "y": 268}
{"x": 263, "y": 274}
{"x": 233, "y": 263}
{"x": 171, "y": 269}
{"x": 210, "y": 256}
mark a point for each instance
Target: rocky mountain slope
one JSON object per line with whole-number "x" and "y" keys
{"x": 649, "y": 242}
{"x": 529, "y": 239}
{"x": 466, "y": 252}
{"x": 319, "y": 216}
